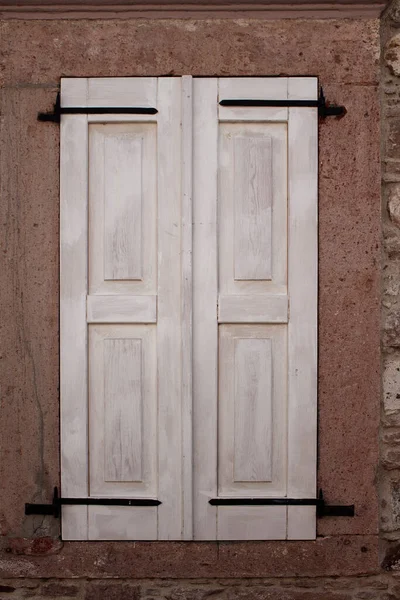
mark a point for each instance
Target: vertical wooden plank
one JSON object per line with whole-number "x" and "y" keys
{"x": 252, "y": 410}
{"x": 187, "y": 310}
{"x": 253, "y": 207}
{"x": 123, "y": 400}
{"x": 302, "y": 330}
{"x": 73, "y": 328}
{"x": 169, "y": 336}
{"x": 123, "y": 167}
{"x": 205, "y": 326}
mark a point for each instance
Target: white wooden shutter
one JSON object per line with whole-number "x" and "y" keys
{"x": 159, "y": 344}
{"x": 121, "y": 324}
{"x": 254, "y": 319}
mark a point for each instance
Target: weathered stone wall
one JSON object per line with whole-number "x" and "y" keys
{"x": 343, "y": 563}
{"x": 390, "y": 427}
{"x": 368, "y": 588}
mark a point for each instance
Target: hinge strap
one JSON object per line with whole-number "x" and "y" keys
{"x": 54, "y": 507}
{"x": 59, "y": 110}
{"x": 323, "y": 509}
{"x": 324, "y": 109}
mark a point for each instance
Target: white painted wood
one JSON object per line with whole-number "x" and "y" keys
{"x": 187, "y": 306}
{"x": 169, "y": 333}
{"x": 263, "y": 308}
{"x": 252, "y": 185}
{"x": 231, "y": 229}
{"x": 109, "y": 92}
{"x": 123, "y": 411}
{"x": 302, "y": 523}
{"x": 252, "y": 523}
{"x": 205, "y": 293}
{"x": 122, "y": 208}
{"x": 123, "y": 199}
{"x": 73, "y": 335}
{"x": 123, "y": 407}
{"x": 122, "y": 309}
{"x": 253, "y": 88}
{"x": 122, "y": 523}
{"x": 252, "y": 376}
{"x": 74, "y": 92}
{"x": 303, "y": 272}
{"x": 121, "y": 118}
{"x": 74, "y": 523}
{"x": 252, "y": 408}
{"x": 155, "y": 342}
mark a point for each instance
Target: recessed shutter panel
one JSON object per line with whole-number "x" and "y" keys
{"x": 121, "y": 309}
{"x": 255, "y": 274}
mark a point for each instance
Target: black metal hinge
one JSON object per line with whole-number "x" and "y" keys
{"x": 59, "y": 110}
{"x": 55, "y": 506}
{"x": 323, "y": 509}
{"x": 324, "y": 108}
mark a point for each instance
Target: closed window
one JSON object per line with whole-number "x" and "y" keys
{"x": 188, "y": 309}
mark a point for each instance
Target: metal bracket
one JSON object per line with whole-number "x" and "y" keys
{"x": 324, "y": 108}
{"x": 323, "y": 509}
{"x": 58, "y": 110}
{"x": 55, "y": 507}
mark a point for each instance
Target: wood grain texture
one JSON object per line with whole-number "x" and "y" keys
{"x": 252, "y": 88}
{"x": 169, "y": 334}
{"x": 262, "y": 308}
{"x": 123, "y": 199}
{"x": 109, "y": 91}
{"x": 73, "y": 332}
{"x": 240, "y": 237}
{"x": 123, "y": 411}
{"x": 121, "y": 309}
{"x": 122, "y": 208}
{"x": 123, "y": 407}
{"x": 252, "y": 173}
{"x": 205, "y": 294}
{"x": 122, "y": 523}
{"x": 252, "y": 522}
{"x": 252, "y": 406}
{"x": 187, "y": 305}
{"x": 303, "y": 286}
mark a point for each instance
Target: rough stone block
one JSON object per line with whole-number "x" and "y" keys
{"x": 392, "y": 55}
{"x": 393, "y": 139}
{"x": 55, "y": 589}
{"x": 391, "y": 383}
{"x": 111, "y": 591}
{"x": 394, "y": 204}
{"x": 391, "y": 338}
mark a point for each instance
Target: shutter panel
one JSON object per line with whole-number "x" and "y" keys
{"x": 188, "y": 354}
{"x": 121, "y": 413}
{"x": 255, "y": 286}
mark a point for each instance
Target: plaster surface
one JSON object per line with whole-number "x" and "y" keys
{"x": 345, "y": 56}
